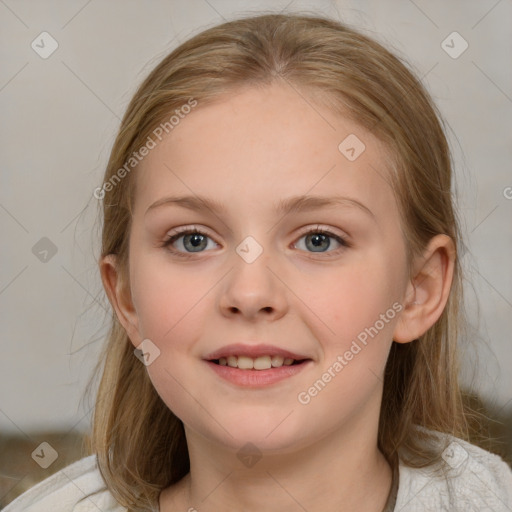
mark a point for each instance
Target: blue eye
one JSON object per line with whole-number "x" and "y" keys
{"x": 318, "y": 240}
{"x": 196, "y": 241}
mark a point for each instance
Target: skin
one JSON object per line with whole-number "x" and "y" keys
{"x": 248, "y": 151}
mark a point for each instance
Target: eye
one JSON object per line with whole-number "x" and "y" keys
{"x": 194, "y": 240}
{"x": 319, "y": 240}
{"x": 188, "y": 241}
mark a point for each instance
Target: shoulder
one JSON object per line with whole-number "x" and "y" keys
{"x": 78, "y": 487}
{"x": 470, "y": 478}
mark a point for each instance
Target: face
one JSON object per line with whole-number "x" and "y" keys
{"x": 324, "y": 281}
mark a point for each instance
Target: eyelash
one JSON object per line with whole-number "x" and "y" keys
{"x": 167, "y": 243}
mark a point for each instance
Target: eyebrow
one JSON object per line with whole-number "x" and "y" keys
{"x": 293, "y": 204}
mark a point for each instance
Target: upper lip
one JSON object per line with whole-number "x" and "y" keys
{"x": 253, "y": 351}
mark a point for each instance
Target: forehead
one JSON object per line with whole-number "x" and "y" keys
{"x": 256, "y": 145}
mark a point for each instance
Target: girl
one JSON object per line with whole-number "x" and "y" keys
{"x": 280, "y": 250}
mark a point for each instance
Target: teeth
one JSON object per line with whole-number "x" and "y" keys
{"x": 246, "y": 363}
{"x": 258, "y": 363}
{"x": 277, "y": 361}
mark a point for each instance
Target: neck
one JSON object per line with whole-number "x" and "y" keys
{"x": 352, "y": 476}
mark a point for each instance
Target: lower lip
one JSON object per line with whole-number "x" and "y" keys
{"x": 257, "y": 378}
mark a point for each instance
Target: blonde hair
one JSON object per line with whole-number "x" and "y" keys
{"x": 140, "y": 444}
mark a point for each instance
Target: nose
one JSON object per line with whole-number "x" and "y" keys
{"x": 253, "y": 290}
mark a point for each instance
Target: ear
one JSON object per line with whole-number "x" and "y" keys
{"x": 428, "y": 290}
{"x": 119, "y": 296}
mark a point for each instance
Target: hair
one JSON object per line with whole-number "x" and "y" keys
{"x": 140, "y": 444}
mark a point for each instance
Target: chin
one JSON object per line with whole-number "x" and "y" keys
{"x": 269, "y": 435}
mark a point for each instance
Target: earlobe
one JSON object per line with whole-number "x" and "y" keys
{"x": 119, "y": 297}
{"x": 428, "y": 290}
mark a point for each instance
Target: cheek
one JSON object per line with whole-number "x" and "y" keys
{"x": 359, "y": 304}
{"x": 345, "y": 302}
{"x": 168, "y": 300}
{"x": 171, "y": 307}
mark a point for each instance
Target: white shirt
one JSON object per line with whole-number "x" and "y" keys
{"x": 477, "y": 481}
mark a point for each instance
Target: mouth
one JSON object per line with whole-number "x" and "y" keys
{"x": 258, "y": 373}
{"x": 256, "y": 366}
{"x": 266, "y": 362}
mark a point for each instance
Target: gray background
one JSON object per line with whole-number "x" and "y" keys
{"x": 60, "y": 116}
